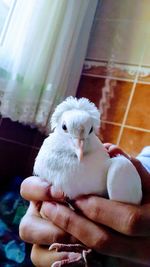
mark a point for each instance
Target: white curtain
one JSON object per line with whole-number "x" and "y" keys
{"x": 41, "y": 57}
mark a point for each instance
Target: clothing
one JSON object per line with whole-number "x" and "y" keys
{"x": 144, "y": 157}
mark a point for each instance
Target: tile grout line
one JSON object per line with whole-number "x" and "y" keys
{"x": 126, "y": 125}
{"x": 137, "y": 128}
{"x": 131, "y": 95}
{"x": 111, "y": 122}
{"x": 127, "y": 111}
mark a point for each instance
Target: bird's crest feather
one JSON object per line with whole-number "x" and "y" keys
{"x": 71, "y": 103}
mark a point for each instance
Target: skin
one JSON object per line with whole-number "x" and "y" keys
{"x": 96, "y": 226}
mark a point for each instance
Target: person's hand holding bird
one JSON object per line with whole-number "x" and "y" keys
{"x": 74, "y": 163}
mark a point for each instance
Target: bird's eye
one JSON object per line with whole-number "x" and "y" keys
{"x": 91, "y": 130}
{"x": 64, "y": 127}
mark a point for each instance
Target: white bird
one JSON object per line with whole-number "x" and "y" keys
{"x": 74, "y": 161}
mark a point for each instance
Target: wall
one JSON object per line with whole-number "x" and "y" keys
{"x": 19, "y": 146}
{"x": 116, "y": 73}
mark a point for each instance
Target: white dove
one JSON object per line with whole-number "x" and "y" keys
{"x": 74, "y": 161}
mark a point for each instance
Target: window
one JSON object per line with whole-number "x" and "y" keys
{"x": 6, "y": 9}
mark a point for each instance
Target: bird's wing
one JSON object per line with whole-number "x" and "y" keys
{"x": 123, "y": 181}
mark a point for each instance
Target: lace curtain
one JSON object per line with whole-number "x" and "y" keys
{"x": 41, "y": 57}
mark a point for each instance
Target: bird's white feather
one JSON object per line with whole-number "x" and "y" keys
{"x": 72, "y": 103}
{"x": 61, "y": 168}
{"x": 123, "y": 181}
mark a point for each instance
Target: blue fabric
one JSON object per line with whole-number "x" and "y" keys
{"x": 144, "y": 157}
{"x": 13, "y": 251}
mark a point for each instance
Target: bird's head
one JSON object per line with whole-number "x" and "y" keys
{"x": 78, "y": 120}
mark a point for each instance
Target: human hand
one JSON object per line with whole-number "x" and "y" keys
{"x": 36, "y": 229}
{"x": 109, "y": 227}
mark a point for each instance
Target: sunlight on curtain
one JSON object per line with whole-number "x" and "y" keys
{"x": 45, "y": 43}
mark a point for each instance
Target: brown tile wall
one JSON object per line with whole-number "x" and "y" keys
{"x": 125, "y": 110}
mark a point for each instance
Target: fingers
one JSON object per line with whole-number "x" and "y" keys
{"x": 97, "y": 237}
{"x": 42, "y": 257}
{"x": 34, "y": 229}
{"x": 33, "y": 188}
{"x": 69, "y": 221}
{"x": 114, "y": 150}
{"x": 126, "y": 219}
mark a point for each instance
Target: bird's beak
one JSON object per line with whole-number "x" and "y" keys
{"x": 79, "y": 148}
